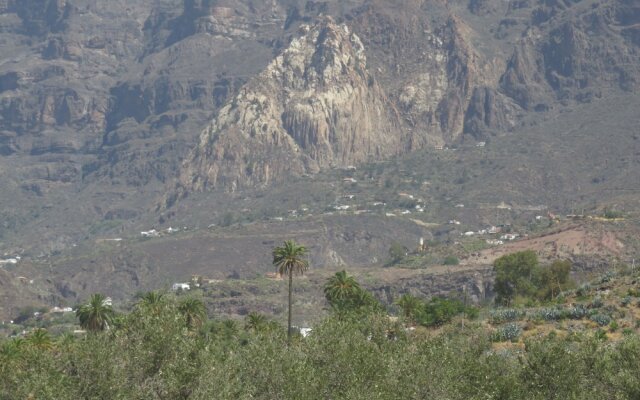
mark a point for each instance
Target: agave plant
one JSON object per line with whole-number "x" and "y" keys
{"x": 505, "y": 315}
{"x": 509, "y": 332}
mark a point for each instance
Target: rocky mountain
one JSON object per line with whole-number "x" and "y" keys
{"x": 121, "y": 93}
{"x": 111, "y": 108}
{"x": 426, "y": 81}
{"x": 314, "y": 106}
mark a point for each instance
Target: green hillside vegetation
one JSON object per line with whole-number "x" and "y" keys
{"x": 519, "y": 275}
{"x": 578, "y": 343}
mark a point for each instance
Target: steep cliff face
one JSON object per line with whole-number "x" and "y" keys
{"x": 115, "y": 94}
{"x": 574, "y": 52}
{"x": 435, "y": 83}
{"x": 314, "y": 106}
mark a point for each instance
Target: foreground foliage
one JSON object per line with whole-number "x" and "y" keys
{"x": 159, "y": 352}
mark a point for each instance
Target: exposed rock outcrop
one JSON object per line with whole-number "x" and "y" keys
{"x": 115, "y": 94}
{"x": 314, "y": 106}
{"x": 489, "y": 112}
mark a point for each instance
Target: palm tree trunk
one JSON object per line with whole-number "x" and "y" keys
{"x": 289, "y": 320}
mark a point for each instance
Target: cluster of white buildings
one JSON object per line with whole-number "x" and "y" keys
{"x": 154, "y": 233}
{"x": 488, "y": 231}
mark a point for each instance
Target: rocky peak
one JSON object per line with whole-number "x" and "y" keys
{"x": 326, "y": 55}
{"x": 314, "y": 106}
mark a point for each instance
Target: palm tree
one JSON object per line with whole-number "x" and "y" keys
{"x": 152, "y": 302}
{"x": 229, "y": 328}
{"x": 194, "y": 312}
{"x": 255, "y": 322}
{"x": 96, "y": 315}
{"x": 410, "y": 306}
{"x": 40, "y": 339}
{"x": 289, "y": 260}
{"x": 66, "y": 340}
{"x": 341, "y": 289}
{"x": 12, "y": 348}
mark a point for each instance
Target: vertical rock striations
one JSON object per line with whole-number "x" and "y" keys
{"x": 314, "y": 106}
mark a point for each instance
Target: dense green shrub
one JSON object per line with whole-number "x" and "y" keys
{"x": 451, "y": 260}
{"x": 440, "y": 310}
{"x": 396, "y": 253}
{"x": 520, "y": 275}
{"x": 612, "y": 214}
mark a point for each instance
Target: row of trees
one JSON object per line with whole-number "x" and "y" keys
{"x": 517, "y": 275}
{"x": 97, "y": 315}
{"x": 154, "y": 353}
{"x": 166, "y": 348}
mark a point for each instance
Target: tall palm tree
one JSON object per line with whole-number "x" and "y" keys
{"x": 341, "y": 289}
{"x": 194, "y": 312}
{"x": 289, "y": 259}
{"x": 410, "y": 306}
{"x": 96, "y": 315}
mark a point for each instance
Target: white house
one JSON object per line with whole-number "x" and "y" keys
{"x": 151, "y": 233}
{"x": 509, "y": 236}
{"x": 180, "y": 286}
